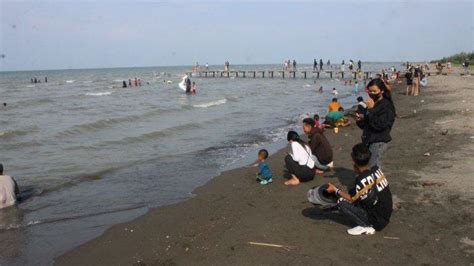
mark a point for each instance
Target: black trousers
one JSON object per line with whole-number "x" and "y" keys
{"x": 302, "y": 172}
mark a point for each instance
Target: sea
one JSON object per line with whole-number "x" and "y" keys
{"x": 88, "y": 154}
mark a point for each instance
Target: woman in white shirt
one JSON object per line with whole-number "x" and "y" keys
{"x": 300, "y": 162}
{"x": 8, "y": 190}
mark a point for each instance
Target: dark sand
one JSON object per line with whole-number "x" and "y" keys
{"x": 433, "y": 223}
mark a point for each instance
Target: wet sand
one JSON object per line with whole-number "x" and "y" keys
{"x": 430, "y": 168}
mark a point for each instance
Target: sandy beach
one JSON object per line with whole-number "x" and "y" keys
{"x": 429, "y": 166}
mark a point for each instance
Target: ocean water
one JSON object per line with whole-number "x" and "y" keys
{"x": 88, "y": 153}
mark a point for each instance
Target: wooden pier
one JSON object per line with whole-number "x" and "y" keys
{"x": 276, "y": 74}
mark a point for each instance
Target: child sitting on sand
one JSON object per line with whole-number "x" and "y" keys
{"x": 264, "y": 175}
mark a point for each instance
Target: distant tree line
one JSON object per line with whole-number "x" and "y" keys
{"x": 457, "y": 58}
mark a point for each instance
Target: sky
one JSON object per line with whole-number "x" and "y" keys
{"x": 41, "y": 35}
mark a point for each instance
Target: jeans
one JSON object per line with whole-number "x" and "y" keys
{"x": 319, "y": 165}
{"x": 377, "y": 149}
{"x": 354, "y": 213}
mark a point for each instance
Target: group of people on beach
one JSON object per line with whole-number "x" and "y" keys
{"x": 289, "y": 66}
{"x": 37, "y": 80}
{"x": 198, "y": 68}
{"x": 321, "y": 64}
{"x": 132, "y": 83}
{"x": 368, "y": 204}
{"x": 415, "y": 79}
{"x": 227, "y": 66}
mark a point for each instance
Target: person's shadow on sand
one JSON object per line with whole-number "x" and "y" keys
{"x": 317, "y": 213}
{"x": 347, "y": 178}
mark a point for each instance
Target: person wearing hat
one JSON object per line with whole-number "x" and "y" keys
{"x": 8, "y": 190}
{"x": 369, "y": 203}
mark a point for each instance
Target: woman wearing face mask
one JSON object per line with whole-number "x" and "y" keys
{"x": 377, "y": 121}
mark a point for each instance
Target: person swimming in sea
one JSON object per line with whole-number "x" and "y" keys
{"x": 194, "y": 88}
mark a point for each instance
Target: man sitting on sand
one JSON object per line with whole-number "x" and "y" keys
{"x": 369, "y": 203}
{"x": 334, "y": 105}
{"x": 336, "y": 119}
{"x": 8, "y": 190}
{"x": 320, "y": 147}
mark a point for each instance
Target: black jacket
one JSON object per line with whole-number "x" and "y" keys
{"x": 378, "y": 122}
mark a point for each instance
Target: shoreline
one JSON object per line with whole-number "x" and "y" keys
{"x": 232, "y": 209}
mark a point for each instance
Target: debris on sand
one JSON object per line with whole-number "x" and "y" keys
{"x": 287, "y": 248}
{"x": 430, "y": 183}
{"x": 391, "y": 237}
{"x": 467, "y": 241}
{"x": 427, "y": 154}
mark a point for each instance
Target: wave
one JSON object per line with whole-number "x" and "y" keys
{"x": 210, "y": 104}
{"x": 152, "y": 135}
{"x": 110, "y": 122}
{"x": 62, "y": 219}
{"x": 70, "y": 81}
{"x": 19, "y": 145}
{"x": 97, "y": 125}
{"x": 13, "y": 133}
{"x": 35, "y": 101}
{"x": 105, "y": 93}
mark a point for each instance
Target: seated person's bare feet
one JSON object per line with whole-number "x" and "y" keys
{"x": 294, "y": 181}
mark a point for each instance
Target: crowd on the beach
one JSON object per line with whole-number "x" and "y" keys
{"x": 368, "y": 204}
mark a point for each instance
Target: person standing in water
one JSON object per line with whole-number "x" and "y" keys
{"x": 194, "y": 88}
{"x": 187, "y": 81}
{"x": 320, "y": 64}
{"x": 124, "y": 84}
{"x": 356, "y": 87}
{"x": 315, "y": 65}
{"x": 9, "y": 190}
{"x": 294, "y": 65}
